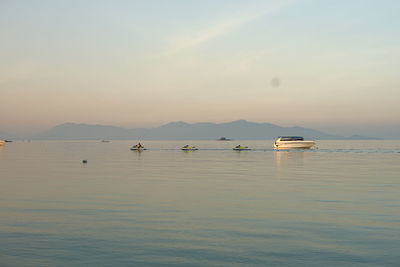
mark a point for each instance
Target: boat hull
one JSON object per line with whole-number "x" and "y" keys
{"x": 294, "y": 144}
{"x": 2, "y": 142}
{"x": 138, "y": 149}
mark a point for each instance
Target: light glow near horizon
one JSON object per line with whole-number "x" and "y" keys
{"x": 320, "y": 64}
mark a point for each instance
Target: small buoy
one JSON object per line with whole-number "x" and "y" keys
{"x": 84, "y": 161}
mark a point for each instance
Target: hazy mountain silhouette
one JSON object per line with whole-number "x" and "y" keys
{"x": 362, "y": 137}
{"x": 240, "y": 129}
{"x": 73, "y": 131}
{"x": 8, "y": 136}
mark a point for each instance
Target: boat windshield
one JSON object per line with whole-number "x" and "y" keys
{"x": 291, "y": 138}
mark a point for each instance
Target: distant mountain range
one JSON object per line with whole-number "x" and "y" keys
{"x": 240, "y": 129}
{"x": 8, "y": 136}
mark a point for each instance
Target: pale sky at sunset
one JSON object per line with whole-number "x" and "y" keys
{"x": 314, "y": 63}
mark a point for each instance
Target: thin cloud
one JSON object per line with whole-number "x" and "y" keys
{"x": 223, "y": 27}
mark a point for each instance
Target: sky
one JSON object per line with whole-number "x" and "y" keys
{"x": 330, "y": 65}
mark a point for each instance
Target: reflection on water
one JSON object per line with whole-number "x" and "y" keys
{"x": 289, "y": 158}
{"x": 137, "y": 153}
{"x": 211, "y": 207}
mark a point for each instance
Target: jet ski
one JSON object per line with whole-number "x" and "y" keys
{"x": 138, "y": 147}
{"x": 241, "y": 148}
{"x": 189, "y": 148}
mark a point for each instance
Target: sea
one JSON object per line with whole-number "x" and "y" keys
{"x": 336, "y": 205}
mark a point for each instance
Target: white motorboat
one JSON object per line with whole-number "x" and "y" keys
{"x": 293, "y": 142}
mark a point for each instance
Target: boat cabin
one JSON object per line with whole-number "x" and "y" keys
{"x": 290, "y": 138}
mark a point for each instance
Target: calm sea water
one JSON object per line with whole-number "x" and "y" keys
{"x": 338, "y": 205}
